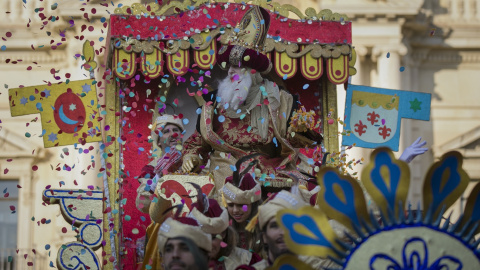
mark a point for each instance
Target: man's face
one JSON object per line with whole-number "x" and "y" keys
{"x": 232, "y": 71}
{"x": 171, "y": 136}
{"x": 239, "y": 212}
{"x": 273, "y": 237}
{"x": 177, "y": 256}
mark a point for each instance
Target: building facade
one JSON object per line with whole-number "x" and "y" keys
{"x": 437, "y": 45}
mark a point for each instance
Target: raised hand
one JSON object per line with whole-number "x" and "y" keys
{"x": 189, "y": 164}
{"x": 414, "y": 150}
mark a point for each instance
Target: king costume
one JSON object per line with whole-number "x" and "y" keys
{"x": 260, "y": 125}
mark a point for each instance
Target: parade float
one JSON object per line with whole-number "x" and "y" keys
{"x": 167, "y": 54}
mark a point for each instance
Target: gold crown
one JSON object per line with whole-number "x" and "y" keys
{"x": 252, "y": 29}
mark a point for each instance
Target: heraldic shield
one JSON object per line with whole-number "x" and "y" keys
{"x": 374, "y": 117}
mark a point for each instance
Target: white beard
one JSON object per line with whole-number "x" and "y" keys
{"x": 234, "y": 93}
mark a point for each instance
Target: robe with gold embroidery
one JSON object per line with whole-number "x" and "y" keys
{"x": 224, "y": 140}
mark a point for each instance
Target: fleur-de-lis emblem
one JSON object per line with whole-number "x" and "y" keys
{"x": 414, "y": 257}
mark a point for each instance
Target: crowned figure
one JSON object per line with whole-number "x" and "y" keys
{"x": 248, "y": 114}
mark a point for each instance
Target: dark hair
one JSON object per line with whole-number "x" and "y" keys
{"x": 231, "y": 238}
{"x": 200, "y": 255}
{"x": 254, "y": 239}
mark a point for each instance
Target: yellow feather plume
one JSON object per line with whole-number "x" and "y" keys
{"x": 224, "y": 201}
{"x": 251, "y": 225}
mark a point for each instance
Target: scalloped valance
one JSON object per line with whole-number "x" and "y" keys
{"x": 155, "y": 56}
{"x": 197, "y": 33}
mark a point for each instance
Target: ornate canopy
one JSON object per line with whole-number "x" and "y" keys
{"x": 145, "y": 38}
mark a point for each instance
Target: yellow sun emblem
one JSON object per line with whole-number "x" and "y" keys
{"x": 392, "y": 236}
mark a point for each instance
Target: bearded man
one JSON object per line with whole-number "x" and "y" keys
{"x": 249, "y": 114}
{"x": 183, "y": 245}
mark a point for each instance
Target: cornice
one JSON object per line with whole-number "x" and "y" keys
{"x": 398, "y": 48}
{"x": 42, "y": 58}
{"x": 13, "y": 145}
{"x": 462, "y": 141}
{"x": 376, "y": 9}
{"x": 446, "y": 56}
{"x": 72, "y": 8}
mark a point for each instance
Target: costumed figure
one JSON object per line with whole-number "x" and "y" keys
{"x": 273, "y": 234}
{"x": 249, "y": 115}
{"x": 166, "y": 135}
{"x": 241, "y": 195}
{"x": 213, "y": 220}
{"x": 174, "y": 238}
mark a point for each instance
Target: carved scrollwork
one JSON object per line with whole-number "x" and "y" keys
{"x": 172, "y": 46}
{"x": 83, "y": 208}
{"x": 75, "y": 255}
{"x": 91, "y": 235}
{"x": 175, "y": 7}
{"x": 196, "y": 42}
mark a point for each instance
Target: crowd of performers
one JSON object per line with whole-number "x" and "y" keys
{"x": 237, "y": 230}
{"x": 245, "y": 135}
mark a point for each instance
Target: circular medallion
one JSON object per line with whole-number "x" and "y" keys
{"x": 69, "y": 113}
{"x": 412, "y": 248}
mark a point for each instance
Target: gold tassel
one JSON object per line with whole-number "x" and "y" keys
{"x": 224, "y": 201}
{"x": 251, "y": 225}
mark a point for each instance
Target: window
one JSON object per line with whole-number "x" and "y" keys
{"x": 8, "y": 224}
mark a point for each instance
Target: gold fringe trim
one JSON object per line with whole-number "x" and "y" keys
{"x": 224, "y": 201}
{"x": 251, "y": 225}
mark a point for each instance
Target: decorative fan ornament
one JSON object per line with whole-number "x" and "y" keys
{"x": 397, "y": 239}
